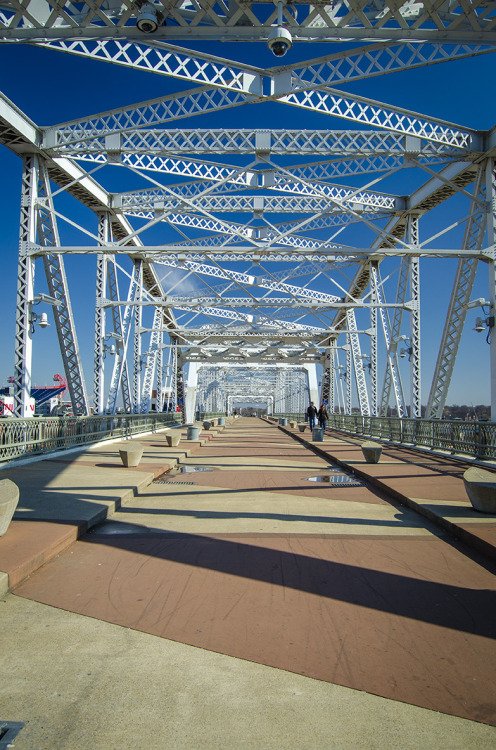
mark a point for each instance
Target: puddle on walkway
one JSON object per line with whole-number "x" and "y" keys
{"x": 337, "y": 480}
{"x": 170, "y": 476}
{"x": 113, "y": 528}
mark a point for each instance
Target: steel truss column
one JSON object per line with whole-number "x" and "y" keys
{"x": 58, "y": 289}
{"x": 361, "y": 383}
{"x": 177, "y": 379}
{"x": 414, "y": 284}
{"x": 332, "y": 378}
{"x": 167, "y": 381}
{"x": 101, "y": 284}
{"x": 374, "y": 403}
{"x": 25, "y": 290}
{"x": 391, "y": 374}
{"x": 491, "y": 194}
{"x": 119, "y": 372}
{"x": 339, "y": 386}
{"x": 460, "y": 296}
{"x": 151, "y": 361}
{"x": 278, "y": 394}
{"x": 138, "y": 315}
{"x": 325, "y": 391}
{"x": 348, "y": 378}
{"x": 159, "y": 376}
{"x": 113, "y": 292}
{"x": 174, "y": 370}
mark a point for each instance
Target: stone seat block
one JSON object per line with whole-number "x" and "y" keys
{"x": 371, "y": 451}
{"x": 9, "y": 497}
{"x": 480, "y": 485}
{"x": 302, "y": 427}
{"x": 131, "y": 454}
{"x": 173, "y": 439}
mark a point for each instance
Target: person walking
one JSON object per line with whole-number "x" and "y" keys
{"x": 311, "y": 414}
{"x": 322, "y": 416}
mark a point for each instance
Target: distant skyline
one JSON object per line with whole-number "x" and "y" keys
{"x": 53, "y": 87}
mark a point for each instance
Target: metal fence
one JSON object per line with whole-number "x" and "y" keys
{"x": 204, "y": 415}
{"x": 22, "y": 438}
{"x": 476, "y": 439}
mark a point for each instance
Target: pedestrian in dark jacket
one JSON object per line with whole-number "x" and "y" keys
{"x": 323, "y": 416}
{"x": 311, "y": 414}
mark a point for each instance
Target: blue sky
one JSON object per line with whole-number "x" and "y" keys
{"x": 54, "y": 87}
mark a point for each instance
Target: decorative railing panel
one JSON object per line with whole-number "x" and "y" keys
{"x": 476, "y": 439}
{"x": 22, "y": 438}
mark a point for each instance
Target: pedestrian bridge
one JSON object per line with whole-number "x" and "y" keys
{"x": 173, "y": 257}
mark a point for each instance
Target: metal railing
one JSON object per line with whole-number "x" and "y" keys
{"x": 476, "y": 439}
{"x": 205, "y": 415}
{"x": 22, "y": 438}
{"x": 290, "y": 417}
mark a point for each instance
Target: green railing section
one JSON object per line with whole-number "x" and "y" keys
{"x": 206, "y": 415}
{"x": 22, "y": 438}
{"x": 477, "y": 439}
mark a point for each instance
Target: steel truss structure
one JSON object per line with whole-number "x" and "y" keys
{"x": 253, "y": 262}
{"x": 283, "y": 389}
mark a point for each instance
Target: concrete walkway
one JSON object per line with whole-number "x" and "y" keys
{"x": 246, "y": 606}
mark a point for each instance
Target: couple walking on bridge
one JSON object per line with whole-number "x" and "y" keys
{"x": 321, "y": 415}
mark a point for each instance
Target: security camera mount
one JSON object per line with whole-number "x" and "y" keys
{"x": 482, "y": 323}
{"x": 149, "y": 18}
{"x": 279, "y": 40}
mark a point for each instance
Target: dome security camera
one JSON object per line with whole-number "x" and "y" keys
{"x": 279, "y": 41}
{"x": 43, "y": 321}
{"x": 479, "y": 325}
{"x": 147, "y": 20}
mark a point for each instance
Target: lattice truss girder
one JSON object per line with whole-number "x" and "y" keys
{"x": 328, "y": 101}
{"x": 250, "y": 20}
{"x": 70, "y": 141}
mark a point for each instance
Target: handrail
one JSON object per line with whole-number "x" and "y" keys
{"x": 476, "y": 439}
{"x": 33, "y": 436}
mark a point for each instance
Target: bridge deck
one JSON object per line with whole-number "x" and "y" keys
{"x": 317, "y": 613}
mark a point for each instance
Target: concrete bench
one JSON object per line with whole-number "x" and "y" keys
{"x": 302, "y": 427}
{"x": 131, "y": 454}
{"x": 207, "y": 425}
{"x": 371, "y": 451}
{"x": 173, "y": 439}
{"x": 9, "y": 497}
{"x": 480, "y": 486}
